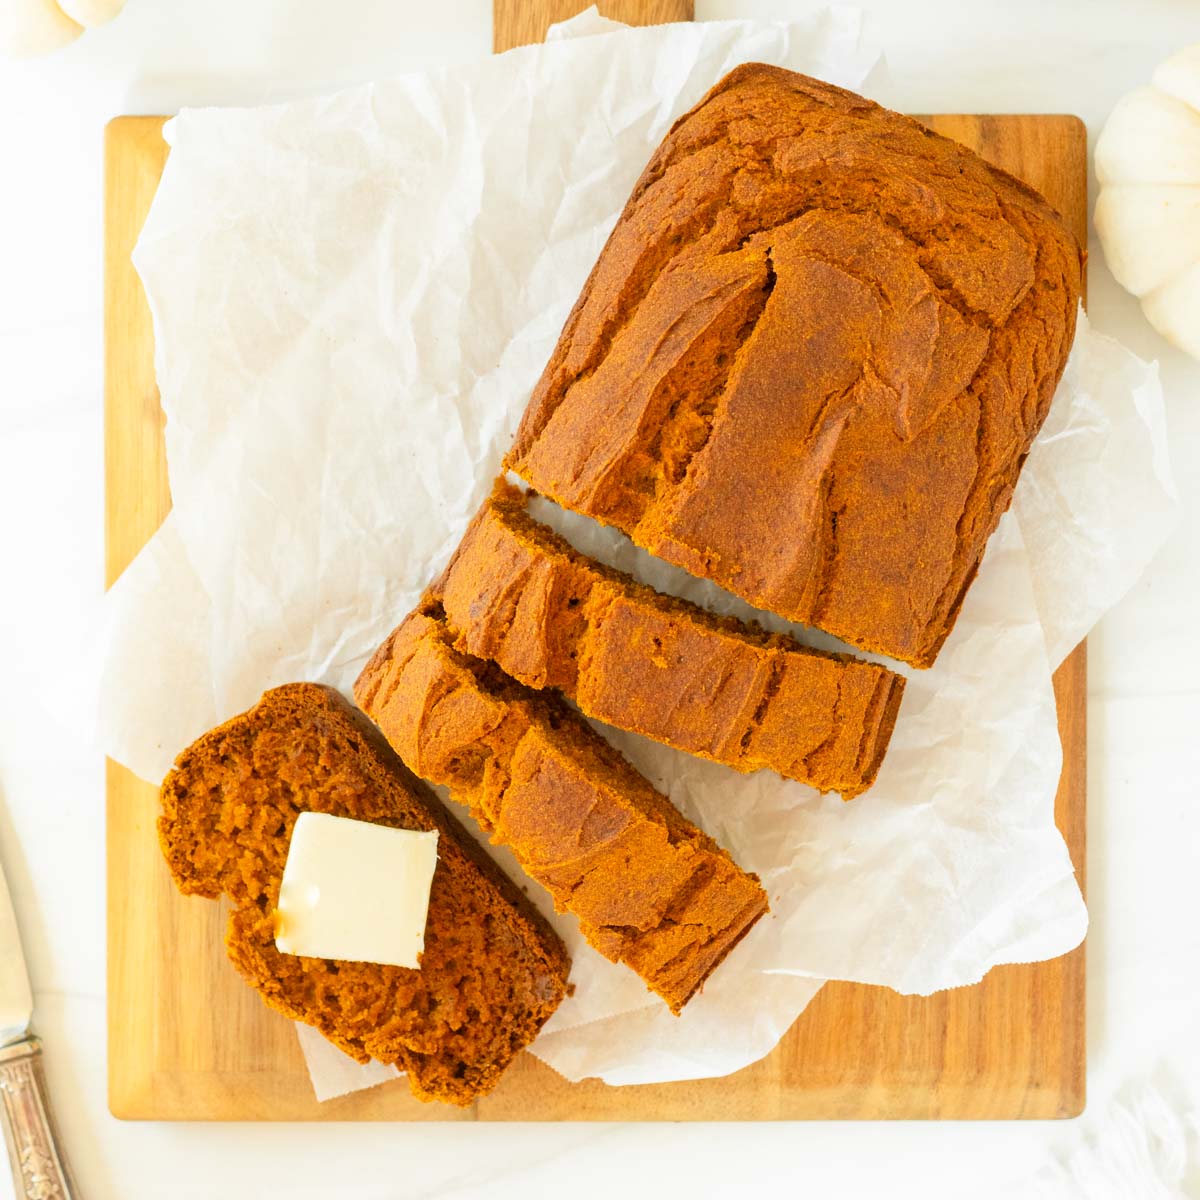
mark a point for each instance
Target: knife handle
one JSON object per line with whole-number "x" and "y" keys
{"x": 39, "y": 1171}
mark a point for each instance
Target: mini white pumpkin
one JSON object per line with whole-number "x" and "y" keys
{"x": 29, "y": 28}
{"x": 90, "y": 13}
{"x": 1148, "y": 210}
{"x": 32, "y": 27}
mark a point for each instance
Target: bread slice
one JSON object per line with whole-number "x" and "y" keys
{"x": 811, "y": 359}
{"x": 649, "y": 888}
{"x": 492, "y": 970}
{"x": 518, "y": 594}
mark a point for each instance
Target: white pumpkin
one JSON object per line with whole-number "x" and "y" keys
{"x": 32, "y": 27}
{"x": 90, "y": 13}
{"x": 1148, "y": 210}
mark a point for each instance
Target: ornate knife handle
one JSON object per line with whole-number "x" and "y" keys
{"x": 39, "y": 1171}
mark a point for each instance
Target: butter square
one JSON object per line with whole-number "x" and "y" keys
{"x": 355, "y": 891}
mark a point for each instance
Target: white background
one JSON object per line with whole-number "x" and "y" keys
{"x": 1144, "y": 756}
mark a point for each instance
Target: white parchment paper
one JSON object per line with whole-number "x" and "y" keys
{"x": 353, "y": 297}
{"x": 334, "y": 1073}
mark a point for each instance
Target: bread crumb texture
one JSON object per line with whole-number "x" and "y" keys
{"x": 492, "y": 970}
{"x": 650, "y": 889}
{"x": 811, "y": 359}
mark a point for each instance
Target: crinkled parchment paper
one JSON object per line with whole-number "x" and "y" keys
{"x": 353, "y": 297}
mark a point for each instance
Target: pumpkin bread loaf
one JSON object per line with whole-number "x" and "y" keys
{"x": 650, "y": 890}
{"x": 492, "y": 970}
{"x": 811, "y": 359}
{"x": 519, "y": 595}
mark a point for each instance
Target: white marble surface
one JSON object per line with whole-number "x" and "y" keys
{"x": 1144, "y": 810}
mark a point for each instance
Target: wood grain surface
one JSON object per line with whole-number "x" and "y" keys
{"x": 188, "y": 1040}
{"x": 521, "y": 22}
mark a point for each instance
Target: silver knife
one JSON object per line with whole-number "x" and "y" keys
{"x": 39, "y": 1170}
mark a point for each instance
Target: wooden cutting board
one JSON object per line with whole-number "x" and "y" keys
{"x": 187, "y": 1040}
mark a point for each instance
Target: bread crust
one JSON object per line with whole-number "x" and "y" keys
{"x": 519, "y": 595}
{"x": 811, "y": 359}
{"x": 649, "y": 888}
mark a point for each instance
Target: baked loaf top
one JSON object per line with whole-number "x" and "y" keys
{"x": 649, "y": 888}
{"x": 811, "y": 359}
{"x": 492, "y": 970}
{"x": 519, "y": 595}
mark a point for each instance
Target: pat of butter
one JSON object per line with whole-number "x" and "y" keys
{"x": 355, "y": 891}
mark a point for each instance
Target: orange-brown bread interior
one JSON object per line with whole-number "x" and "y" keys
{"x": 492, "y": 970}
